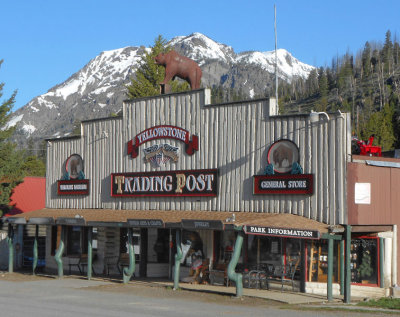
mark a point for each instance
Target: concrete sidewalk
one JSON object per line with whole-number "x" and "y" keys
{"x": 286, "y": 296}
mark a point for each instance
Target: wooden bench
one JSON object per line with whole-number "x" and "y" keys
{"x": 219, "y": 275}
{"x": 123, "y": 261}
{"x": 81, "y": 264}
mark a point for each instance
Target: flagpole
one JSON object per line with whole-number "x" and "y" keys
{"x": 276, "y": 63}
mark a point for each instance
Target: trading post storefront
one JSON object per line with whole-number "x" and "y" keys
{"x": 184, "y": 189}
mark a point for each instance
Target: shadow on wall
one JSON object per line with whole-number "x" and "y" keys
{"x": 232, "y": 165}
{"x": 3, "y": 251}
{"x": 14, "y": 211}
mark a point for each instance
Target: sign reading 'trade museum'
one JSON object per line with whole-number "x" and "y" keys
{"x": 165, "y": 183}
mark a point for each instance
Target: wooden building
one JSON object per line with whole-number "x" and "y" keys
{"x": 174, "y": 163}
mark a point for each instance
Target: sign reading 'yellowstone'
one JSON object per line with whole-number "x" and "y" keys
{"x": 165, "y": 183}
{"x": 163, "y": 132}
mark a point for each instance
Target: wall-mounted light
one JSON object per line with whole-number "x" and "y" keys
{"x": 314, "y": 116}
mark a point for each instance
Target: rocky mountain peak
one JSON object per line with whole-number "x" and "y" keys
{"x": 98, "y": 89}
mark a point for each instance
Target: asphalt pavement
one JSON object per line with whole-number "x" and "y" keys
{"x": 75, "y": 296}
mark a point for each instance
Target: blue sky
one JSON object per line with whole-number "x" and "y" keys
{"x": 44, "y": 42}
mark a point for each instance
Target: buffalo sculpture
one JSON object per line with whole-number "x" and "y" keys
{"x": 179, "y": 66}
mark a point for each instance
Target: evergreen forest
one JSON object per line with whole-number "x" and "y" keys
{"x": 366, "y": 84}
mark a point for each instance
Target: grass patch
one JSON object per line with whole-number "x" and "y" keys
{"x": 384, "y": 302}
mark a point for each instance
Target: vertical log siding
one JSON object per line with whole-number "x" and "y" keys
{"x": 234, "y": 138}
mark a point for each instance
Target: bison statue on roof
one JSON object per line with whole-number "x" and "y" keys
{"x": 179, "y": 66}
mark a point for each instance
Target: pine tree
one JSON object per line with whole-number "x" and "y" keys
{"x": 149, "y": 74}
{"x": 11, "y": 160}
{"x": 366, "y": 60}
{"x": 33, "y": 166}
{"x": 387, "y": 53}
{"x": 380, "y": 124}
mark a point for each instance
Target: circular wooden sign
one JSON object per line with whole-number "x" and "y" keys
{"x": 282, "y": 154}
{"x": 74, "y": 165}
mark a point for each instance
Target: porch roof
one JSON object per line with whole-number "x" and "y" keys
{"x": 169, "y": 219}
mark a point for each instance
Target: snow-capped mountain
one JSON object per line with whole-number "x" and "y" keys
{"x": 98, "y": 89}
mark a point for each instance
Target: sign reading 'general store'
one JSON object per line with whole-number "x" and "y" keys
{"x": 282, "y": 232}
{"x": 165, "y": 183}
{"x": 284, "y": 184}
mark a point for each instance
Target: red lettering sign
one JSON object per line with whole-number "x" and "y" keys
{"x": 163, "y": 132}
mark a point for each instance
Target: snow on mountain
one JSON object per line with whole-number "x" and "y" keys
{"x": 202, "y": 48}
{"x": 288, "y": 66}
{"x": 13, "y": 121}
{"x": 98, "y": 89}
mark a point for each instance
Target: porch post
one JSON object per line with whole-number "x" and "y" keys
{"x": 330, "y": 269}
{"x": 302, "y": 266}
{"x": 381, "y": 262}
{"x": 35, "y": 250}
{"x": 143, "y": 252}
{"x": 342, "y": 268}
{"x": 347, "y": 280}
{"x": 128, "y": 272}
{"x": 90, "y": 254}
{"x": 178, "y": 258}
{"x": 10, "y": 241}
{"x": 236, "y": 277}
{"x": 59, "y": 253}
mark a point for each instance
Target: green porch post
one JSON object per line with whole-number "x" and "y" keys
{"x": 236, "y": 277}
{"x": 303, "y": 266}
{"x": 178, "y": 258}
{"x": 342, "y": 269}
{"x": 381, "y": 260}
{"x": 10, "y": 241}
{"x": 347, "y": 280}
{"x": 330, "y": 269}
{"x": 35, "y": 250}
{"x": 90, "y": 254}
{"x": 128, "y": 272}
{"x": 59, "y": 253}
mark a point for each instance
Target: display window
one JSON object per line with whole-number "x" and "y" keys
{"x": 75, "y": 245}
{"x": 158, "y": 246}
{"x": 364, "y": 260}
{"x": 123, "y": 242}
{"x": 317, "y": 261}
{"x": 263, "y": 250}
{"x": 273, "y": 255}
{"x": 76, "y": 242}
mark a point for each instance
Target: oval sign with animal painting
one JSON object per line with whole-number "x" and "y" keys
{"x": 282, "y": 154}
{"x": 74, "y": 166}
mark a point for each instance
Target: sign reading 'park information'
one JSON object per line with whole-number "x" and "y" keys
{"x": 282, "y": 232}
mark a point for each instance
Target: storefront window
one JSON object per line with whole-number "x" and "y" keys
{"x": 293, "y": 249}
{"x": 224, "y": 245}
{"x": 123, "y": 242}
{"x": 74, "y": 240}
{"x": 317, "y": 261}
{"x": 364, "y": 261}
{"x": 158, "y": 245}
{"x": 263, "y": 250}
{"x": 192, "y": 247}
